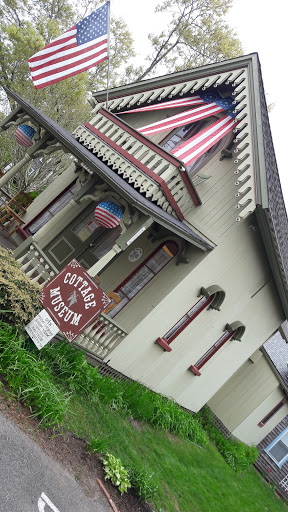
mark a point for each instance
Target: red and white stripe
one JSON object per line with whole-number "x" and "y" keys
{"x": 105, "y": 218}
{"x": 182, "y": 102}
{"x": 205, "y": 139}
{"x": 22, "y": 139}
{"x": 64, "y": 58}
{"x": 189, "y": 116}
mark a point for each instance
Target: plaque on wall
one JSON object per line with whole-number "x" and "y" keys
{"x": 135, "y": 254}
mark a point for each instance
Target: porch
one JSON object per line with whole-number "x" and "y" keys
{"x": 98, "y": 339}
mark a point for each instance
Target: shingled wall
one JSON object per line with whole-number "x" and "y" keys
{"x": 265, "y": 465}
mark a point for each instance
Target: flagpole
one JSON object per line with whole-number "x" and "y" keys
{"x": 108, "y": 53}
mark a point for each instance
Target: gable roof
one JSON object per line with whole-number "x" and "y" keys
{"x": 261, "y": 187}
{"x": 269, "y": 202}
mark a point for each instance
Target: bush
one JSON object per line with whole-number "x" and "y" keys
{"x": 98, "y": 444}
{"x": 70, "y": 368}
{"x": 238, "y": 455}
{"x": 30, "y": 380}
{"x": 142, "y": 483}
{"x": 18, "y": 294}
{"x": 116, "y": 472}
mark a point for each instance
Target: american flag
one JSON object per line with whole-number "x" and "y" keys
{"x": 213, "y": 105}
{"x": 80, "y": 48}
{"x": 193, "y": 148}
{"x": 108, "y": 214}
{"x": 24, "y": 135}
{"x": 182, "y": 102}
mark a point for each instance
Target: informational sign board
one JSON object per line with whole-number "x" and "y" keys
{"x": 73, "y": 299}
{"x": 41, "y": 329}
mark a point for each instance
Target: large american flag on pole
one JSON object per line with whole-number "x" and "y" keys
{"x": 213, "y": 104}
{"x": 193, "y": 148}
{"x": 80, "y": 48}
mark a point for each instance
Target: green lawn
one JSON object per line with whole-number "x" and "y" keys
{"x": 62, "y": 389}
{"x": 189, "y": 478}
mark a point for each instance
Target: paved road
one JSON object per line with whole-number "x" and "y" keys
{"x": 31, "y": 481}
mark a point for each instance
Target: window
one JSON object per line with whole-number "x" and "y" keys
{"x": 188, "y": 131}
{"x": 51, "y": 210}
{"x": 184, "y": 322}
{"x": 271, "y": 413}
{"x": 86, "y": 227}
{"x": 234, "y": 330}
{"x": 278, "y": 449}
{"x": 213, "y": 296}
{"x": 143, "y": 274}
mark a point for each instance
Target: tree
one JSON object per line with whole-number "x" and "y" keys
{"x": 25, "y": 28}
{"x": 196, "y": 35}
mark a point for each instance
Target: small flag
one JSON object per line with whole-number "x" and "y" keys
{"x": 108, "y": 214}
{"x": 191, "y": 149}
{"x": 24, "y": 135}
{"x": 182, "y": 102}
{"x": 80, "y": 48}
{"x": 213, "y": 105}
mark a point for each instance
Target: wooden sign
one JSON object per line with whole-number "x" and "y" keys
{"x": 73, "y": 299}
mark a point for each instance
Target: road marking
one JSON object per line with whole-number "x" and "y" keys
{"x": 43, "y": 501}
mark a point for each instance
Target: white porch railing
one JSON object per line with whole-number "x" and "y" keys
{"x": 101, "y": 337}
{"x": 35, "y": 265}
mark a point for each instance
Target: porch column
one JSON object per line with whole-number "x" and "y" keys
{"x": 55, "y": 225}
{"x": 9, "y": 174}
{"x": 99, "y": 265}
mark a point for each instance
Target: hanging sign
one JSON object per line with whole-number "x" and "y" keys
{"x": 73, "y": 299}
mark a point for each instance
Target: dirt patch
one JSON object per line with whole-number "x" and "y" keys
{"x": 138, "y": 425}
{"x": 70, "y": 452}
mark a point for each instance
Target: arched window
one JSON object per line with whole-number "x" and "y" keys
{"x": 143, "y": 274}
{"x": 186, "y": 132}
{"x": 213, "y": 297}
{"x": 234, "y": 330}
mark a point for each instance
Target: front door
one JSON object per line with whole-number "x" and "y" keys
{"x": 82, "y": 240}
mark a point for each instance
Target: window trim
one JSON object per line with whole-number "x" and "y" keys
{"x": 164, "y": 342}
{"x": 272, "y": 412}
{"x": 142, "y": 264}
{"x": 278, "y": 438}
{"x": 227, "y": 335}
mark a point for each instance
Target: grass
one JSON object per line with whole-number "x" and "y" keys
{"x": 146, "y": 432}
{"x": 188, "y": 478}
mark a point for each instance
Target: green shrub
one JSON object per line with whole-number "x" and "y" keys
{"x": 34, "y": 194}
{"x": 114, "y": 470}
{"x": 30, "y": 380}
{"x": 18, "y": 294}
{"x": 238, "y": 455}
{"x": 70, "y": 368}
{"x": 142, "y": 483}
{"x": 98, "y": 444}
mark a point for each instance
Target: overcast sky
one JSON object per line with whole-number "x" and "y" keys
{"x": 261, "y": 27}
